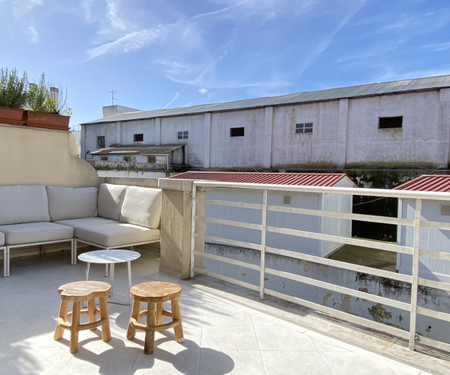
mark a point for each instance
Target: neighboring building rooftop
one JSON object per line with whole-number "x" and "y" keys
{"x": 305, "y": 179}
{"x": 427, "y": 182}
{"x": 407, "y": 85}
{"x": 139, "y": 150}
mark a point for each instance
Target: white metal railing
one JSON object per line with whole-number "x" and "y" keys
{"x": 199, "y": 237}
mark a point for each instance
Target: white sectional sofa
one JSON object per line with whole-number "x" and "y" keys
{"x": 107, "y": 217}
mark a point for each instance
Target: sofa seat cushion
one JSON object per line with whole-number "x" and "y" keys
{"x": 2, "y": 239}
{"x": 118, "y": 234}
{"x": 17, "y": 234}
{"x": 85, "y": 222}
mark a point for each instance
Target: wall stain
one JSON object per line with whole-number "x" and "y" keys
{"x": 325, "y": 298}
{"x": 345, "y": 303}
{"x": 378, "y": 312}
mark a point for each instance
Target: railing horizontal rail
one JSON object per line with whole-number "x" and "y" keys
{"x": 227, "y": 260}
{"x": 339, "y": 289}
{"x": 341, "y": 265}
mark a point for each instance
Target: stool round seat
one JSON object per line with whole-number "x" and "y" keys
{"x": 76, "y": 293}
{"x": 154, "y": 294}
{"x": 156, "y": 291}
{"x": 83, "y": 290}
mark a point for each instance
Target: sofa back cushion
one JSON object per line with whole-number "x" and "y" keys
{"x": 142, "y": 206}
{"x": 71, "y": 203}
{"x": 110, "y": 200}
{"x": 23, "y": 204}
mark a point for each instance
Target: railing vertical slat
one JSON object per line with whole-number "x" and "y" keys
{"x": 263, "y": 245}
{"x": 193, "y": 207}
{"x": 415, "y": 275}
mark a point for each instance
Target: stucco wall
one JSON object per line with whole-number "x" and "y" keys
{"x": 41, "y": 156}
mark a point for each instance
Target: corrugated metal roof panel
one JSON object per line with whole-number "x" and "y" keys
{"x": 434, "y": 182}
{"x": 305, "y": 179}
{"x": 302, "y": 97}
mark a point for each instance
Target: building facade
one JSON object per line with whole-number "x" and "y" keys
{"x": 401, "y": 124}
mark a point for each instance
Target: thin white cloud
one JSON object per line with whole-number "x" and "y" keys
{"x": 131, "y": 42}
{"x": 325, "y": 43}
{"x": 113, "y": 15}
{"x": 32, "y": 35}
{"x": 203, "y": 91}
{"x": 438, "y": 47}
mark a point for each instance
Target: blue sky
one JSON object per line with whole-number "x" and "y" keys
{"x": 171, "y": 53}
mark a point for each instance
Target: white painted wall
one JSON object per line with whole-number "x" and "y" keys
{"x": 345, "y": 133}
{"x": 332, "y": 202}
{"x": 430, "y": 239}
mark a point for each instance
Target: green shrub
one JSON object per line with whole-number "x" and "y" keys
{"x": 43, "y": 97}
{"x": 13, "y": 92}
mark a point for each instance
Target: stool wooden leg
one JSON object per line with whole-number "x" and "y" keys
{"x": 91, "y": 311}
{"x": 63, "y": 308}
{"x": 150, "y": 329}
{"x": 74, "y": 327}
{"x": 135, "y": 309}
{"x": 176, "y": 315}
{"x": 159, "y": 313}
{"x": 106, "y": 332}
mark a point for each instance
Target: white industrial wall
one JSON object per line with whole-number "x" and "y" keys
{"x": 345, "y": 133}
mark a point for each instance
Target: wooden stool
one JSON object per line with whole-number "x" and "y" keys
{"x": 155, "y": 294}
{"x": 77, "y": 292}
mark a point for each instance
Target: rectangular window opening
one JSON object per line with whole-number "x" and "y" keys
{"x": 151, "y": 159}
{"x": 390, "y": 122}
{"x": 287, "y": 199}
{"x": 101, "y": 141}
{"x": 127, "y": 158}
{"x": 104, "y": 158}
{"x": 237, "y": 132}
{"x": 138, "y": 137}
{"x": 183, "y": 134}
{"x": 304, "y": 127}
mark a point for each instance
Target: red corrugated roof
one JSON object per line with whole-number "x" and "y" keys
{"x": 427, "y": 182}
{"x": 308, "y": 179}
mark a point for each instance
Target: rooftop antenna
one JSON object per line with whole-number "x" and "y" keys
{"x": 113, "y": 98}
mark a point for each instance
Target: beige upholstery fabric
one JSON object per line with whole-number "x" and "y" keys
{"x": 142, "y": 206}
{"x": 23, "y": 204}
{"x": 110, "y": 199}
{"x": 71, "y": 203}
{"x": 118, "y": 234}
{"x": 85, "y": 222}
{"x": 35, "y": 232}
{"x": 2, "y": 239}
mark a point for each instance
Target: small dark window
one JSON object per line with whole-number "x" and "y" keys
{"x": 127, "y": 158}
{"x": 390, "y": 122}
{"x": 183, "y": 135}
{"x": 104, "y": 158}
{"x": 138, "y": 137}
{"x": 101, "y": 141}
{"x": 151, "y": 159}
{"x": 306, "y": 127}
{"x": 237, "y": 132}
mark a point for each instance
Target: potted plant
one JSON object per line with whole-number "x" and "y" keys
{"x": 13, "y": 97}
{"x": 46, "y": 106}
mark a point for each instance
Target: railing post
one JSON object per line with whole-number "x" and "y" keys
{"x": 415, "y": 275}
{"x": 198, "y": 227}
{"x": 263, "y": 245}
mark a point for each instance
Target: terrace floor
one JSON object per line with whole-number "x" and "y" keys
{"x": 225, "y": 331}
